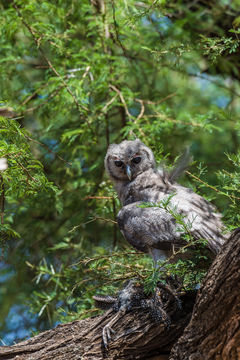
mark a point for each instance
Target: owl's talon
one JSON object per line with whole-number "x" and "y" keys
{"x": 106, "y": 335}
{"x": 172, "y": 292}
{"x": 179, "y": 303}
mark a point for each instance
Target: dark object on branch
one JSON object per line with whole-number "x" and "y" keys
{"x": 105, "y": 302}
{"x": 133, "y": 297}
{"x": 137, "y": 337}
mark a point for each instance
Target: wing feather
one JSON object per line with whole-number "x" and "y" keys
{"x": 148, "y": 227}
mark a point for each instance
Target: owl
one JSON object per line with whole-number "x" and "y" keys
{"x": 150, "y": 200}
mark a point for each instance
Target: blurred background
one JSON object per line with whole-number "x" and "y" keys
{"x": 76, "y": 76}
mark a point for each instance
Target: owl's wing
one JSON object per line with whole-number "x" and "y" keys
{"x": 148, "y": 228}
{"x": 201, "y": 217}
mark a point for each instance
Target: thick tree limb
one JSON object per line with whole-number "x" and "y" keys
{"x": 214, "y": 329}
{"x": 136, "y": 336}
{"x": 212, "y": 333}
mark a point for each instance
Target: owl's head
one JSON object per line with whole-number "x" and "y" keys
{"x": 125, "y": 161}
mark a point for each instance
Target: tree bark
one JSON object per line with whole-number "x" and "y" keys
{"x": 214, "y": 330}
{"x": 212, "y": 333}
{"x": 136, "y": 336}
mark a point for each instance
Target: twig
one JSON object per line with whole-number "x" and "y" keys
{"x": 86, "y": 71}
{"x": 47, "y": 148}
{"x": 212, "y": 187}
{"x": 214, "y": 82}
{"x": 164, "y": 117}
{"x": 202, "y": 182}
{"x": 50, "y": 65}
{"x": 126, "y": 109}
{"x": 51, "y": 96}
{"x": 89, "y": 221}
{"x": 98, "y": 197}
{"x": 200, "y": 76}
{"x": 142, "y": 109}
{"x": 109, "y": 103}
{"x": 30, "y": 97}
{"x": 116, "y": 29}
{"x": 42, "y": 144}
{"x": 182, "y": 71}
{"x": 122, "y": 99}
{"x": 127, "y": 253}
{"x": 100, "y": 218}
{"x": 124, "y": 277}
{"x": 115, "y": 225}
{"x": 140, "y": 115}
{"x": 27, "y": 172}
{"x": 149, "y": 102}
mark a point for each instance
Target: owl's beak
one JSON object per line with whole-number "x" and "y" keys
{"x": 128, "y": 171}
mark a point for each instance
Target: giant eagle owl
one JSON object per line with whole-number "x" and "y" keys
{"x": 153, "y": 229}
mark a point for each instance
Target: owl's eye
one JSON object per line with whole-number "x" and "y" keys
{"x": 136, "y": 160}
{"x": 118, "y": 163}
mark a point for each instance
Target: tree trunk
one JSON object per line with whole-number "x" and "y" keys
{"x": 212, "y": 333}
{"x": 214, "y": 329}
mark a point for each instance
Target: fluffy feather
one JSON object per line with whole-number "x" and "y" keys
{"x": 155, "y": 228}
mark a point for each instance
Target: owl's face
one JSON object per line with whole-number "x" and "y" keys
{"x": 125, "y": 161}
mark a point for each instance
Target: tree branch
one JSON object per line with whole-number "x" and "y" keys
{"x": 207, "y": 336}
{"x": 137, "y": 336}
{"x": 50, "y": 65}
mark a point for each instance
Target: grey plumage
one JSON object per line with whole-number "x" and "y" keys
{"x": 132, "y": 169}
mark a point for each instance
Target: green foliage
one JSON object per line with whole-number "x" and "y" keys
{"x": 215, "y": 47}
{"x": 79, "y": 76}
{"x": 25, "y": 178}
{"x": 104, "y": 273}
{"x": 190, "y": 271}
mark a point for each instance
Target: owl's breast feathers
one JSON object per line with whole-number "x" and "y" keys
{"x": 155, "y": 227}
{"x": 149, "y": 186}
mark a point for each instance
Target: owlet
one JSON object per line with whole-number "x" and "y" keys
{"x": 150, "y": 199}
